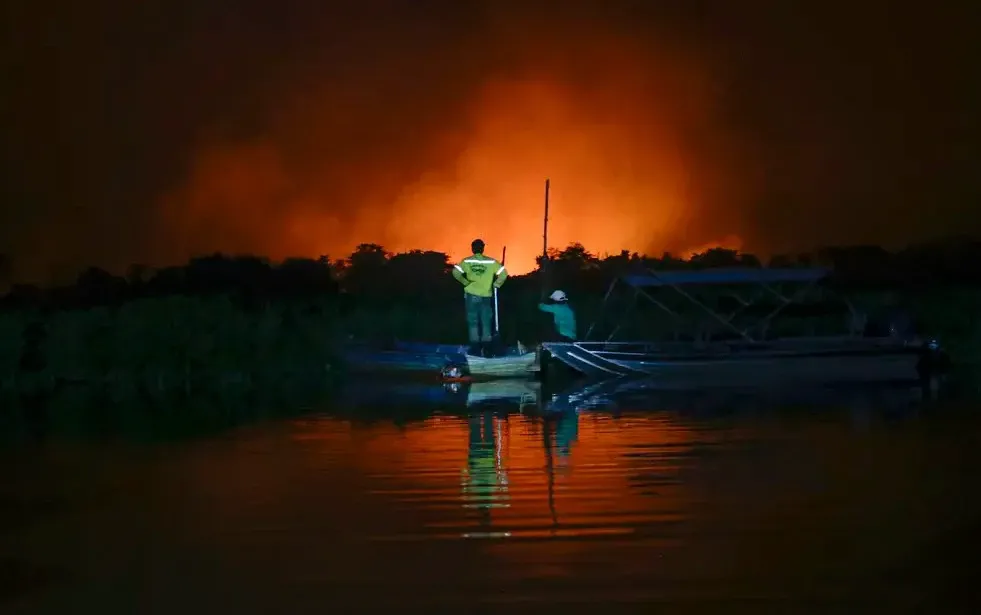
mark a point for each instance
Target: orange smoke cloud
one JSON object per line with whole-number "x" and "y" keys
{"x": 631, "y": 140}
{"x": 525, "y": 131}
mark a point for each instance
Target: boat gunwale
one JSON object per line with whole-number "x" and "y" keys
{"x": 741, "y": 351}
{"x": 587, "y": 361}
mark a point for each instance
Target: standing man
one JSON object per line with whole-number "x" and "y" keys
{"x": 480, "y": 276}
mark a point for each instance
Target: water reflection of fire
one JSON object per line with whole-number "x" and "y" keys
{"x": 430, "y": 455}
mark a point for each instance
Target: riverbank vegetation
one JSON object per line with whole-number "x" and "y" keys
{"x": 166, "y": 342}
{"x": 244, "y": 322}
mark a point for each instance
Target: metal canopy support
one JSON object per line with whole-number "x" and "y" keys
{"x": 764, "y": 280}
{"x": 626, "y": 313}
{"x": 744, "y": 304}
{"x": 636, "y": 292}
{"x": 765, "y": 321}
{"x": 641, "y": 291}
{"x": 725, "y": 323}
{"x": 606, "y": 297}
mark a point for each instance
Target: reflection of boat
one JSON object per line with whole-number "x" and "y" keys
{"x": 745, "y": 352}
{"x": 382, "y": 392}
{"x": 517, "y": 391}
{"x": 582, "y": 396}
{"x": 421, "y": 357}
{"x": 649, "y": 393}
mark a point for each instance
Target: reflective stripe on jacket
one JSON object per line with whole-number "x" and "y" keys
{"x": 480, "y": 274}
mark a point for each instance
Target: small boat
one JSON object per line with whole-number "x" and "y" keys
{"x": 452, "y": 361}
{"x": 746, "y": 354}
{"x": 509, "y": 366}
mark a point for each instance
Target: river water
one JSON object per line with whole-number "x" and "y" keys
{"x": 390, "y": 499}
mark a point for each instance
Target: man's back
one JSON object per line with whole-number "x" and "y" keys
{"x": 480, "y": 272}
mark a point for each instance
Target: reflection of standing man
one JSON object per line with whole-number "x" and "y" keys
{"x": 484, "y": 482}
{"x": 479, "y": 275}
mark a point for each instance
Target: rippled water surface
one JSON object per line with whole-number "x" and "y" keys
{"x": 755, "y": 509}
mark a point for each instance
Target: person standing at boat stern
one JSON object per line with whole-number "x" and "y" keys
{"x": 480, "y": 275}
{"x": 562, "y": 315}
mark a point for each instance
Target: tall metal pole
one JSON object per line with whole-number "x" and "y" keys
{"x": 545, "y": 240}
{"x": 545, "y": 229}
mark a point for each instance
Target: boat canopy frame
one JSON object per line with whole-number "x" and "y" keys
{"x": 763, "y": 279}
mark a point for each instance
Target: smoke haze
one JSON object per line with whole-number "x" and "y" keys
{"x": 630, "y": 133}
{"x": 150, "y": 132}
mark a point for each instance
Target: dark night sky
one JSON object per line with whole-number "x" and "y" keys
{"x": 150, "y": 131}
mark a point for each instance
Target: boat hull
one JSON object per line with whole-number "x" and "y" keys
{"x": 434, "y": 358}
{"x": 680, "y": 366}
{"x": 503, "y": 367}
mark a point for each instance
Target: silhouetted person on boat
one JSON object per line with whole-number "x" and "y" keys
{"x": 562, "y": 315}
{"x": 480, "y": 275}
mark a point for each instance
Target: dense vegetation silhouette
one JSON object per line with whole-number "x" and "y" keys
{"x": 224, "y": 318}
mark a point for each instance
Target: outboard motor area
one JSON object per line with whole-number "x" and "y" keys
{"x": 934, "y": 361}
{"x": 896, "y": 323}
{"x": 454, "y": 373}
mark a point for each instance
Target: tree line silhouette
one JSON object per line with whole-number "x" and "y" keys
{"x": 245, "y": 319}
{"x": 372, "y": 273}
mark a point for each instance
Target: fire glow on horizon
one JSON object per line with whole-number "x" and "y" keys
{"x": 625, "y": 152}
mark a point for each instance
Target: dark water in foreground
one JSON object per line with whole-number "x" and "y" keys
{"x": 749, "y": 506}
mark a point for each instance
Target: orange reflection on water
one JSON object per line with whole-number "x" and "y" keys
{"x": 514, "y": 482}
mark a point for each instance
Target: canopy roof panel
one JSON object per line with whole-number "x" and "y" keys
{"x": 741, "y": 275}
